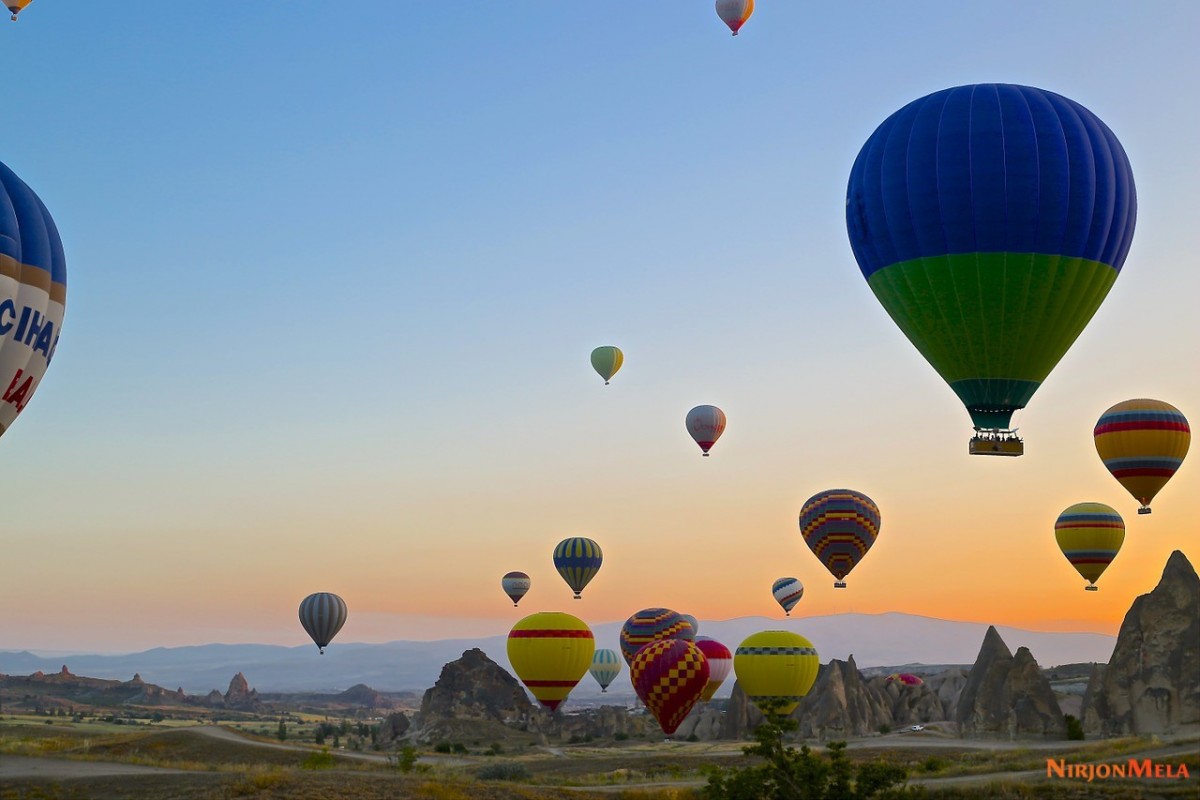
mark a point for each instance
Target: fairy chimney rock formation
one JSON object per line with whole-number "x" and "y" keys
{"x": 476, "y": 687}
{"x": 1151, "y": 684}
{"x": 1007, "y": 695}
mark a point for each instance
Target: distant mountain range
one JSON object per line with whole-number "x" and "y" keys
{"x": 873, "y": 640}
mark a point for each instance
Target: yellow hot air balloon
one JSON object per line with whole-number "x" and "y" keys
{"x": 550, "y": 651}
{"x": 1089, "y": 535}
{"x": 606, "y": 361}
{"x": 776, "y": 667}
{"x": 15, "y": 7}
{"x": 1142, "y": 443}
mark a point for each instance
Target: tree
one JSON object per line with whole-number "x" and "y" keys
{"x": 282, "y": 732}
{"x": 790, "y": 774}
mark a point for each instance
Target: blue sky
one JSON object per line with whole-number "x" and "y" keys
{"x": 334, "y": 273}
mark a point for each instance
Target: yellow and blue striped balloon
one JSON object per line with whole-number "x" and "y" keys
{"x": 578, "y": 560}
{"x": 1142, "y": 443}
{"x": 1090, "y": 535}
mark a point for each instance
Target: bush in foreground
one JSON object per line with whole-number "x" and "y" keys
{"x": 791, "y": 774}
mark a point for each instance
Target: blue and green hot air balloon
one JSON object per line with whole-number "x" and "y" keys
{"x": 991, "y": 221}
{"x": 577, "y": 560}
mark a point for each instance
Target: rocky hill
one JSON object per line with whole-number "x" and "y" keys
{"x": 1008, "y": 695}
{"x": 1151, "y": 685}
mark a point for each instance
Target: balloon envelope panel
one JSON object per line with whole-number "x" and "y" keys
{"x": 323, "y": 614}
{"x": 33, "y": 294}
{"x": 991, "y": 221}
{"x": 550, "y": 652}
{"x": 720, "y": 664}
{"x": 776, "y": 667}
{"x": 652, "y": 624}
{"x": 1142, "y": 443}
{"x": 1090, "y": 535}
{"x": 669, "y": 675}
{"x": 577, "y": 560}
{"x": 839, "y": 526}
{"x": 606, "y": 666}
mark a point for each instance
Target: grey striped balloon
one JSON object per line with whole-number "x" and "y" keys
{"x": 322, "y": 614}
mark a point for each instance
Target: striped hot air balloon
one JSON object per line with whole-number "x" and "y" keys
{"x": 787, "y": 592}
{"x": 991, "y": 221}
{"x": 550, "y": 652}
{"x": 33, "y": 294}
{"x": 322, "y": 614}
{"x": 695, "y": 623}
{"x": 1142, "y": 443}
{"x": 606, "y": 361}
{"x": 1090, "y": 535}
{"x": 776, "y": 667}
{"x": 515, "y": 585}
{"x": 839, "y": 526}
{"x": 669, "y": 676}
{"x": 720, "y": 663}
{"x": 650, "y": 625}
{"x": 577, "y": 560}
{"x": 606, "y": 666}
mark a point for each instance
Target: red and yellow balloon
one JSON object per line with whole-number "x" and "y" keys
{"x": 550, "y": 651}
{"x": 669, "y": 675}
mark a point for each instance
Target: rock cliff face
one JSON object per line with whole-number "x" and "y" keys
{"x": 1152, "y": 682}
{"x": 1008, "y": 695}
{"x": 475, "y": 687}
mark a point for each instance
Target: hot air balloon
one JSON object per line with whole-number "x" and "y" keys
{"x": 15, "y": 7}
{"x": 904, "y": 679}
{"x": 669, "y": 676}
{"x": 515, "y": 585}
{"x": 734, "y": 13}
{"x": 33, "y": 293}
{"x": 776, "y": 667}
{"x": 606, "y": 666}
{"x": 550, "y": 651}
{"x": 706, "y": 424}
{"x": 606, "y": 361}
{"x": 578, "y": 560}
{"x": 695, "y": 623}
{"x": 1142, "y": 443}
{"x": 720, "y": 662}
{"x": 839, "y": 526}
{"x": 1089, "y": 535}
{"x": 322, "y": 614}
{"x": 991, "y": 221}
{"x": 650, "y": 625}
{"x": 787, "y": 592}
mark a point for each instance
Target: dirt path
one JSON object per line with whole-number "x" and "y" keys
{"x": 24, "y": 767}
{"x": 224, "y": 734}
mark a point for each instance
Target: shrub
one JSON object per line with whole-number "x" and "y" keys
{"x": 505, "y": 771}
{"x": 442, "y": 747}
{"x": 321, "y": 760}
{"x": 1074, "y": 729}
{"x": 620, "y": 736}
{"x": 406, "y": 759}
{"x": 790, "y": 774}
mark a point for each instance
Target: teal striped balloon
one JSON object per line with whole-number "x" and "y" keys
{"x": 606, "y": 666}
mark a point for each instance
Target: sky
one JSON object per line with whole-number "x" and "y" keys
{"x": 334, "y": 273}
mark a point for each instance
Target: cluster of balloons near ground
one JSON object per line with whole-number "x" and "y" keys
{"x": 670, "y": 667}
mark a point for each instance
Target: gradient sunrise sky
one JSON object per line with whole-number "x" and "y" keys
{"x": 335, "y": 271}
